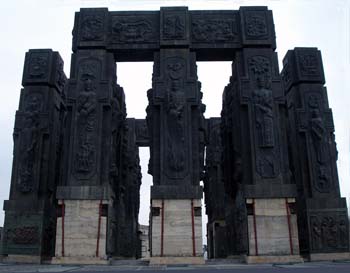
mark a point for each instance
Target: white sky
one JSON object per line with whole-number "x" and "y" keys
{"x": 48, "y": 24}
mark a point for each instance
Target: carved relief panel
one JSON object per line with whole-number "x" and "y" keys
{"x": 329, "y": 231}
{"x": 87, "y": 120}
{"x": 264, "y": 116}
{"x": 212, "y": 27}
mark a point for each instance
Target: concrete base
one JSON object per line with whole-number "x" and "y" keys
{"x": 176, "y": 230}
{"x": 79, "y": 260}
{"x": 329, "y": 257}
{"x": 23, "y": 259}
{"x": 273, "y": 259}
{"x": 176, "y": 260}
{"x": 77, "y": 240}
{"x": 272, "y": 230}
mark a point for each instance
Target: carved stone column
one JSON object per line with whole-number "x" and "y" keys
{"x": 322, "y": 213}
{"x": 91, "y": 170}
{"x": 174, "y": 116}
{"x": 258, "y": 181}
{"x": 30, "y": 212}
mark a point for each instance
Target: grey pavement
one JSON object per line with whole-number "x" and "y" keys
{"x": 320, "y": 267}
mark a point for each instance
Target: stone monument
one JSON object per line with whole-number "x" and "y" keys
{"x": 268, "y": 163}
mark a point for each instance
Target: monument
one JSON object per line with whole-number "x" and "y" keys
{"x": 268, "y": 163}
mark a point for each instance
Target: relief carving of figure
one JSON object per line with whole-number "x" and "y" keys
{"x": 263, "y": 101}
{"x": 175, "y": 116}
{"x": 316, "y": 234}
{"x": 29, "y": 142}
{"x": 86, "y": 121}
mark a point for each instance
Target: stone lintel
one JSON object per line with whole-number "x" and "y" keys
{"x": 176, "y": 192}
{"x": 82, "y": 192}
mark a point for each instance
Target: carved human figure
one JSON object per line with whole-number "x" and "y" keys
{"x": 175, "y": 107}
{"x": 29, "y": 140}
{"x": 86, "y": 121}
{"x": 318, "y": 134}
{"x": 175, "y": 121}
{"x": 329, "y": 232}
{"x": 343, "y": 232}
{"x": 316, "y": 234}
{"x": 263, "y": 105}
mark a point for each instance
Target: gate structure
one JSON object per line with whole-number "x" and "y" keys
{"x": 269, "y": 171}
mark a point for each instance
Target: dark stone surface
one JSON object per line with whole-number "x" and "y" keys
{"x": 255, "y": 160}
{"x": 322, "y": 213}
{"x": 135, "y": 35}
{"x": 173, "y": 116}
{"x": 30, "y": 212}
{"x": 214, "y": 191}
{"x": 123, "y": 224}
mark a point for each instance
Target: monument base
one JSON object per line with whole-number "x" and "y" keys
{"x": 81, "y": 232}
{"x": 24, "y": 259}
{"x": 80, "y": 260}
{"x": 176, "y": 260}
{"x": 272, "y": 228}
{"x": 273, "y": 259}
{"x": 176, "y": 231}
{"x": 342, "y": 256}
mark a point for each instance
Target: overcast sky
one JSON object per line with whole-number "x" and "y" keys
{"x": 48, "y": 24}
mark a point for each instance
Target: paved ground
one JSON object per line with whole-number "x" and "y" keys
{"x": 324, "y": 267}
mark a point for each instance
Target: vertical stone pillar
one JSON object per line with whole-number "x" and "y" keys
{"x": 258, "y": 182}
{"x": 322, "y": 213}
{"x": 30, "y": 212}
{"x": 174, "y": 115}
{"x": 95, "y": 117}
{"x": 214, "y": 191}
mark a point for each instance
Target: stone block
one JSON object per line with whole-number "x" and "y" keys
{"x": 173, "y": 237}
{"x": 81, "y": 230}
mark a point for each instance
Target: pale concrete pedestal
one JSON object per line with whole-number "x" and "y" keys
{"x": 176, "y": 260}
{"x": 176, "y": 232}
{"x": 272, "y": 232}
{"x": 82, "y": 237}
{"x": 23, "y": 259}
{"x": 344, "y": 256}
{"x": 283, "y": 259}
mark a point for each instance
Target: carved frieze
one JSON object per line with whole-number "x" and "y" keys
{"x": 26, "y": 235}
{"x": 329, "y": 231}
{"x": 213, "y": 29}
{"x": 134, "y": 29}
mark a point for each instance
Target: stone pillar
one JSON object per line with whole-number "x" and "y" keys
{"x": 214, "y": 191}
{"x": 90, "y": 169}
{"x": 322, "y": 213}
{"x": 257, "y": 177}
{"x": 174, "y": 117}
{"x": 30, "y": 212}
